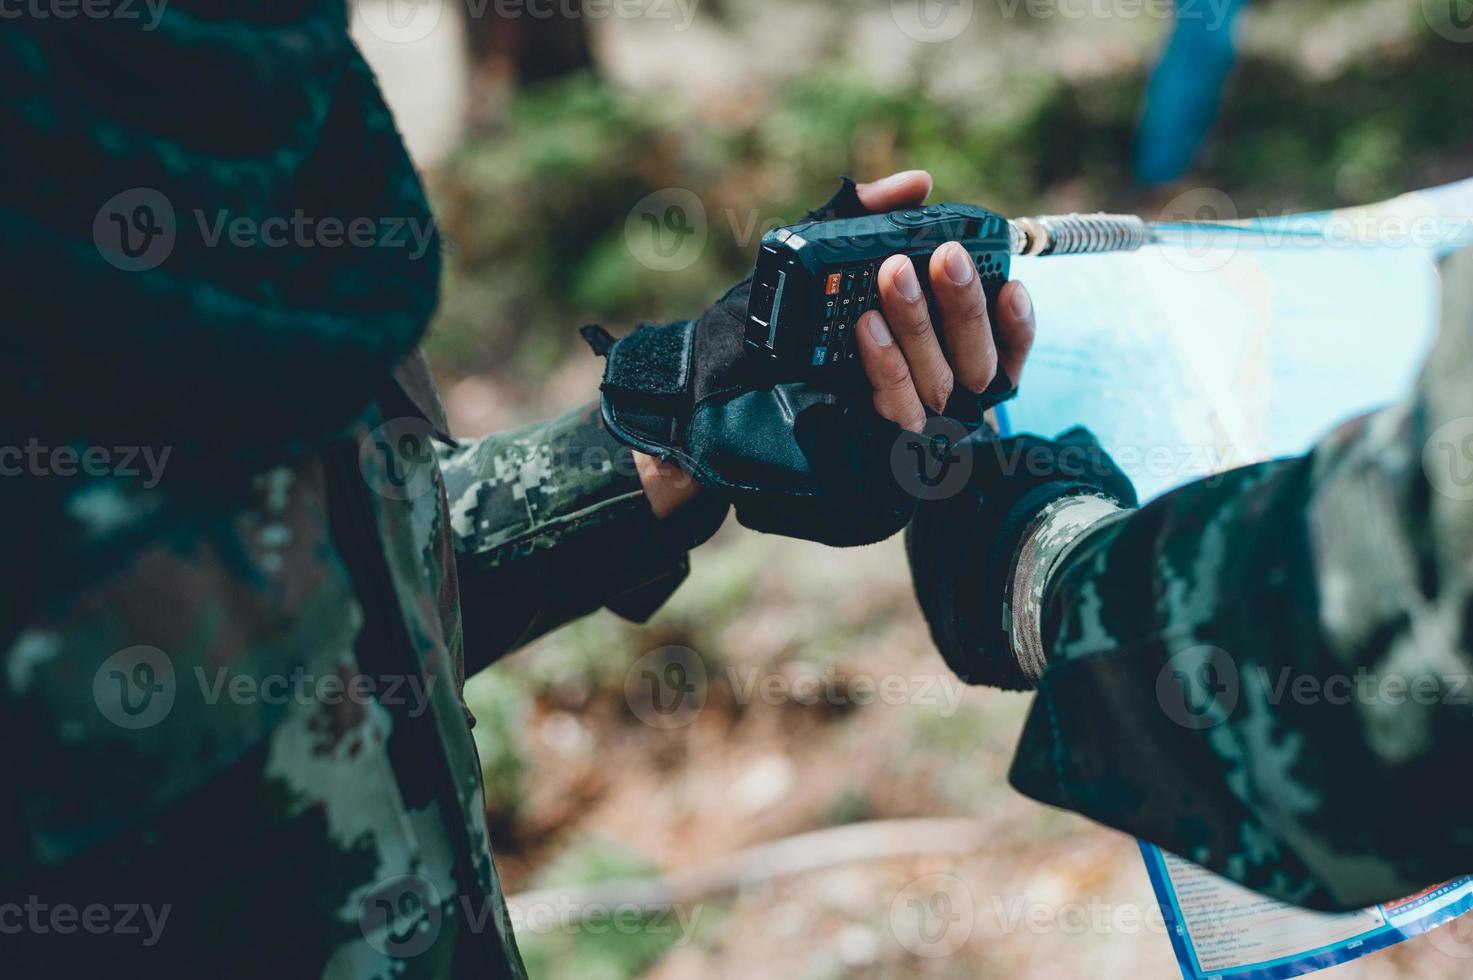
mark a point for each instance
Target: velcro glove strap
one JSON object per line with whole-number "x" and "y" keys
{"x": 647, "y": 393}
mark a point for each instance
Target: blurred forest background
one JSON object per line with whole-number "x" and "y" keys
{"x": 542, "y": 139}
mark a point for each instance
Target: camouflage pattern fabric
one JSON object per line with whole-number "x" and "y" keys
{"x": 552, "y": 523}
{"x": 234, "y": 742}
{"x": 1268, "y": 673}
{"x": 213, "y": 730}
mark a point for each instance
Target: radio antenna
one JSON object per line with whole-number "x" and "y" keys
{"x": 1082, "y": 234}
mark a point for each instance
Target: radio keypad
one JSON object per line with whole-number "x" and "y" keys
{"x": 847, "y": 296}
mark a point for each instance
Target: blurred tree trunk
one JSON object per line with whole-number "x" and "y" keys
{"x": 519, "y": 46}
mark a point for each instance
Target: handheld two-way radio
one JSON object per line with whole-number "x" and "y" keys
{"x": 815, "y": 279}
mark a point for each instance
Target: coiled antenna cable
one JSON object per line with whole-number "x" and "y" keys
{"x": 1077, "y": 234}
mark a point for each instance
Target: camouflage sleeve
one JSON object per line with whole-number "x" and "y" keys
{"x": 1268, "y": 672}
{"x": 551, "y": 523}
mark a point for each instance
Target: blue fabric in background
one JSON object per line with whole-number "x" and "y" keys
{"x": 1183, "y": 95}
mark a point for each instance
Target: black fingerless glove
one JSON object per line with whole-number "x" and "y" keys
{"x": 794, "y": 459}
{"x": 963, "y": 548}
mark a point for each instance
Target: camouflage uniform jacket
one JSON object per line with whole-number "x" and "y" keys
{"x": 1268, "y": 672}
{"x": 234, "y": 742}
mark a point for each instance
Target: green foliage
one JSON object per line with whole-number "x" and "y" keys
{"x": 1389, "y": 122}
{"x": 502, "y": 704}
{"x": 537, "y": 208}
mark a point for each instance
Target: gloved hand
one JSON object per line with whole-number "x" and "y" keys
{"x": 963, "y": 549}
{"x": 795, "y": 459}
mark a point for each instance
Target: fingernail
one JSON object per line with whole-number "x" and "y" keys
{"x": 907, "y": 283}
{"x": 959, "y": 265}
{"x": 875, "y": 324}
{"x": 1022, "y": 302}
{"x": 900, "y": 178}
